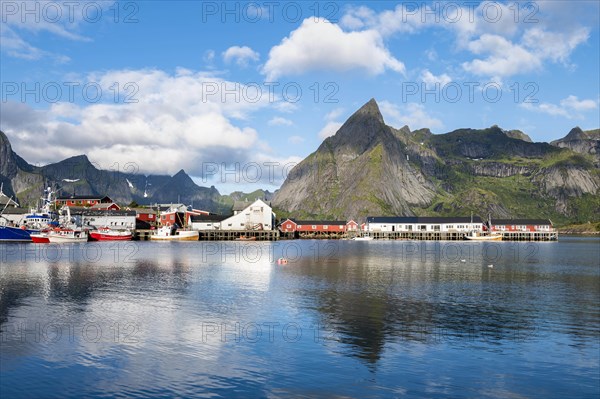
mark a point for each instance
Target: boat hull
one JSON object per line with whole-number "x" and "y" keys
{"x": 64, "y": 240}
{"x": 40, "y": 238}
{"x": 484, "y": 238}
{"x": 16, "y": 234}
{"x": 98, "y": 236}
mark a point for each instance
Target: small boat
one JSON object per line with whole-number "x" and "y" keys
{"x": 488, "y": 235}
{"x": 108, "y": 234}
{"x": 60, "y": 236}
{"x": 244, "y": 238}
{"x": 363, "y": 238}
{"x": 476, "y": 236}
{"x": 171, "y": 233}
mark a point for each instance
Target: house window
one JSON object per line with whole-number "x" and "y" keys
{"x": 229, "y": 225}
{"x": 241, "y": 224}
{"x": 325, "y": 227}
{"x": 314, "y": 227}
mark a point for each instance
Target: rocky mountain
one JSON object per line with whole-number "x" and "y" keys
{"x": 77, "y": 175}
{"x": 369, "y": 168}
{"x": 583, "y": 142}
{"x": 360, "y": 170}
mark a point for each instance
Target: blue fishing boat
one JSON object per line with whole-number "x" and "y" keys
{"x": 17, "y": 234}
{"x": 31, "y": 223}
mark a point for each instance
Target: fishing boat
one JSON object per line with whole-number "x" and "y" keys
{"x": 486, "y": 235}
{"x": 60, "y": 236}
{"x": 172, "y": 233}
{"x": 478, "y": 236}
{"x": 16, "y": 234}
{"x": 108, "y": 234}
{"x": 245, "y": 238}
{"x": 363, "y": 238}
{"x": 32, "y": 223}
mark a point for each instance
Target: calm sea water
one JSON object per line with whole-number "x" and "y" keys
{"x": 342, "y": 319}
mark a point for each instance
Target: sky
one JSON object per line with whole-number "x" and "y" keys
{"x": 237, "y": 93}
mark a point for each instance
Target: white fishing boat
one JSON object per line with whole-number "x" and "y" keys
{"x": 478, "y": 236}
{"x": 363, "y": 238}
{"x": 60, "y": 236}
{"x": 171, "y": 233}
{"x": 487, "y": 235}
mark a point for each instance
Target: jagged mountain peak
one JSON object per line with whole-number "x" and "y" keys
{"x": 370, "y": 109}
{"x": 575, "y": 134}
{"x": 364, "y": 129}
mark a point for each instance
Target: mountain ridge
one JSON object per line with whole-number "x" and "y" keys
{"x": 369, "y": 168}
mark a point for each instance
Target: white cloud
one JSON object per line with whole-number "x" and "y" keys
{"x": 556, "y": 46}
{"x": 57, "y": 19}
{"x": 329, "y": 129}
{"x": 412, "y": 114}
{"x": 320, "y": 45}
{"x": 296, "y": 139}
{"x": 334, "y": 114}
{"x": 240, "y": 55}
{"x": 570, "y": 107}
{"x": 431, "y": 79}
{"x": 504, "y": 59}
{"x": 172, "y": 126}
{"x": 279, "y": 121}
{"x": 505, "y": 39}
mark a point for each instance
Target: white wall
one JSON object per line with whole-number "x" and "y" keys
{"x": 256, "y": 213}
{"x": 200, "y": 226}
{"x": 114, "y": 222}
{"x": 430, "y": 227}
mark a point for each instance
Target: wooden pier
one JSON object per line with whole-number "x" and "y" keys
{"x": 459, "y": 236}
{"x": 239, "y": 235}
{"x": 274, "y": 235}
{"x": 222, "y": 235}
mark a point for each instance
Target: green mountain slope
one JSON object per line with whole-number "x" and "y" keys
{"x": 370, "y": 168}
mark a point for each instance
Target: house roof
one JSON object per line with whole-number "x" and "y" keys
{"x": 103, "y": 205}
{"x": 15, "y": 211}
{"x": 207, "y": 218}
{"x": 98, "y": 213}
{"x": 532, "y": 222}
{"x": 421, "y": 219}
{"x": 143, "y": 210}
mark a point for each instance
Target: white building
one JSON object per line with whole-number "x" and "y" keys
{"x": 117, "y": 220}
{"x": 423, "y": 224}
{"x": 257, "y": 215}
{"x": 205, "y": 222}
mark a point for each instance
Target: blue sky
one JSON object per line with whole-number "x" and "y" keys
{"x": 158, "y": 86}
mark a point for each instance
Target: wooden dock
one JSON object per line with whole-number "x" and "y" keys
{"x": 458, "y": 236}
{"x": 274, "y": 235}
{"x": 222, "y": 235}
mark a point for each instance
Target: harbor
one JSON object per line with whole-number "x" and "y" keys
{"x": 77, "y": 218}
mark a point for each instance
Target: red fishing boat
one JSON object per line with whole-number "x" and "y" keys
{"x": 108, "y": 234}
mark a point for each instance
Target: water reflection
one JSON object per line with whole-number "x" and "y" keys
{"x": 149, "y": 320}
